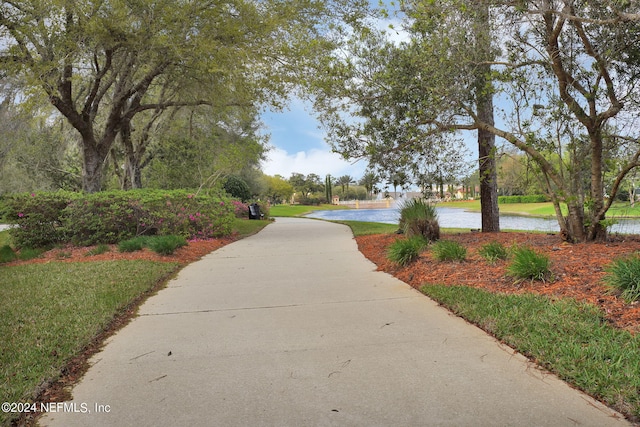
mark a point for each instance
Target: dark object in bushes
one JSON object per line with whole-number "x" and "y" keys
{"x": 254, "y": 211}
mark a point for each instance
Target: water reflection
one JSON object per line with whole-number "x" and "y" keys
{"x": 459, "y": 218}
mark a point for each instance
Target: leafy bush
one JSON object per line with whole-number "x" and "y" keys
{"x": 107, "y": 217}
{"x": 447, "y": 250}
{"x": 527, "y": 264}
{"x": 405, "y": 251}
{"x": 38, "y": 217}
{"x": 47, "y": 219}
{"x": 193, "y": 217}
{"x": 265, "y": 209}
{"x": 7, "y": 254}
{"x": 623, "y": 276}
{"x": 240, "y": 210}
{"x": 237, "y": 187}
{"x": 418, "y": 218}
{"x": 166, "y": 245}
{"x": 493, "y": 251}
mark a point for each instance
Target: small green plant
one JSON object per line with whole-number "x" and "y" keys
{"x": 28, "y": 253}
{"x": 132, "y": 245}
{"x": 623, "y": 276}
{"x": 100, "y": 249}
{"x": 527, "y": 264}
{"x": 63, "y": 254}
{"x": 166, "y": 245}
{"x": 418, "y": 218}
{"x": 405, "y": 251}
{"x": 447, "y": 250}
{"x": 493, "y": 251}
{"x": 7, "y": 254}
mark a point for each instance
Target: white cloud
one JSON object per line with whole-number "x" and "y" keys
{"x": 320, "y": 162}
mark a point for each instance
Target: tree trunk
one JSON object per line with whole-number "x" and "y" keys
{"x": 92, "y": 167}
{"x": 596, "y": 231}
{"x": 575, "y": 222}
{"x": 488, "y": 182}
{"x": 486, "y": 140}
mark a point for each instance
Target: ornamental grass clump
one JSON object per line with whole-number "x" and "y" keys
{"x": 132, "y": 245}
{"x": 447, "y": 250}
{"x": 166, "y": 245}
{"x": 7, "y": 254}
{"x": 623, "y": 277}
{"x": 418, "y": 217}
{"x": 527, "y": 264}
{"x": 405, "y": 251}
{"x": 493, "y": 251}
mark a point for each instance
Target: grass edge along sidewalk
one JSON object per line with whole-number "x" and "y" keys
{"x": 51, "y": 316}
{"x": 51, "y": 312}
{"x": 568, "y": 338}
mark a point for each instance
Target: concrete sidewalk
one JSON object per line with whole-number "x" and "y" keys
{"x": 294, "y": 327}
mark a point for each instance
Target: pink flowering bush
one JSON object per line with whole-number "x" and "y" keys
{"x": 38, "y": 218}
{"x": 241, "y": 210}
{"x": 46, "y": 219}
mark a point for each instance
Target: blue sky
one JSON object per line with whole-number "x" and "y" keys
{"x": 298, "y": 145}
{"x": 298, "y": 142}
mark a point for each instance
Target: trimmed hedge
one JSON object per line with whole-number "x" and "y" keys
{"x": 534, "y": 198}
{"x": 46, "y": 219}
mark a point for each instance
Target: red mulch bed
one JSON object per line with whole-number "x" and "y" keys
{"x": 578, "y": 269}
{"x": 184, "y": 255}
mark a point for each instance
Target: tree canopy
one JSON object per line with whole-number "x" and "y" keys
{"x": 565, "y": 74}
{"x": 102, "y": 64}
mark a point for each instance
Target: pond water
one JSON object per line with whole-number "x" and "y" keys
{"x": 459, "y": 218}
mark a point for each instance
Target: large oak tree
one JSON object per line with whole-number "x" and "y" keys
{"x": 102, "y": 63}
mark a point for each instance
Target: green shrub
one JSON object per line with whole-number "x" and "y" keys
{"x": 527, "y": 264}
{"x": 493, "y": 251}
{"x": 132, "y": 245}
{"x": 26, "y": 254}
{"x": 166, "y": 245}
{"x": 237, "y": 187}
{"x": 447, "y": 250}
{"x": 418, "y": 218}
{"x": 623, "y": 276}
{"x": 48, "y": 219}
{"x": 404, "y": 251}
{"x": 7, "y": 254}
{"x": 107, "y": 217}
{"x": 38, "y": 217}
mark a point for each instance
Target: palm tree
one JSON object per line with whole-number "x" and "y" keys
{"x": 345, "y": 181}
{"x": 369, "y": 181}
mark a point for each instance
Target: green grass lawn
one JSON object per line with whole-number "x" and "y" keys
{"x": 49, "y": 312}
{"x": 568, "y": 338}
{"x": 618, "y": 209}
{"x": 245, "y": 227}
{"x": 299, "y": 210}
{"x": 363, "y": 228}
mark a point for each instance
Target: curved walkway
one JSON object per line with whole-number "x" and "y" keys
{"x": 294, "y": 327}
